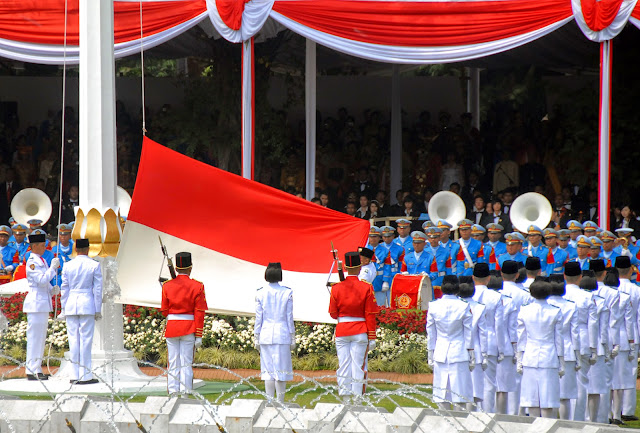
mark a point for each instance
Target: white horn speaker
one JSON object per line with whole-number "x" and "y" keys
{"x": 530, "y": 209}
{"x": 31, "y": 203}
{"x": 448, "y": 206}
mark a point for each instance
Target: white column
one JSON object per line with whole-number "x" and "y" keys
{"x": 473, "y": 95}
{"x": 396, "y": 135}
{"x": 310, "y": 114}
{"x": 97, "y": 112}
{"x": 247, "y": 109}
{"x": 604, "y": 153}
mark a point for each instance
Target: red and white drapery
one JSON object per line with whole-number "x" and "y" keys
{"x": 406, "y": 32}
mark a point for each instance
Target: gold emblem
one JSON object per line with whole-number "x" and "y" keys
{"x": 32, "y": 266}
{"x": 466, "y": 265}
{"x": 403, "y": 301}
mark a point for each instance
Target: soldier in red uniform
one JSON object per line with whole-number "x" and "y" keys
{"x": 184, "y": 305}
{"x": 353, "y": 304}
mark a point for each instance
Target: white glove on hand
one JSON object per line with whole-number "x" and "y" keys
{"x": 385, "y": 286}
{"x": 55, "y": 290}
{"x": 405, "y": 273}
{"x": 61, "y": 317}
{"x": 515, "y": 351}
{"x": 472, "y": 360}
{"x": 98, "y": 316}
{"x": 594, "y": 357}
{"x": 500, "y": 357}
{"x": 430, "y": 358}
{"x": 485, "y": 362}
{"x": 519, "y": 368}
{"x": 198, "y": 342}
{"x": 632, "y": 350}
{"x": 55, "y": 263}
{"x": 578, "y": 364}
{"x": 607, "y": 353}
{"x": 561, "y": 369}
{"x": 256, "y": 343}
{"x": 615, "y": 351}
{"x": 372, "y": 344}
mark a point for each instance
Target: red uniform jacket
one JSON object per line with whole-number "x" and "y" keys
{"x": 183, "y": 295}
{"x": 354, "y": 298}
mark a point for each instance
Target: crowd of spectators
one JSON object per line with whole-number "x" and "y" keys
{"x": 488, "y": 168}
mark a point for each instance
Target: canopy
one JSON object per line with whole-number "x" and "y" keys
{"x": 390, "y": 31}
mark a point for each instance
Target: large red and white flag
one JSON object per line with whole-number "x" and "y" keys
{"x": 233, "y": 228}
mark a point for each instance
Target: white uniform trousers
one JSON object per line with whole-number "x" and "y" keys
{"x": 629, "y": 395}
{"x": 490, "y": 384}
{"x": 36, "y": 338}
{"x": 352, "y": 351}
{"x": 513, "y": 407}
{"x": 605, "y": 399}
{"x": 580, "y": 411}
{"x": 80, "y": 331}
{"x": 180, "y": 363}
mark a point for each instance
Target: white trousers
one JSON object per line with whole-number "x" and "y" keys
{"x": 629, "y": 395}
{"x": 36, "y": 338}
{"x": 490, "y": 384}
{"x": 80, "y": 330}
{"x": 352, "y": 352}
{"x": 180, "y": 363}
{"x": 580, "y": 412}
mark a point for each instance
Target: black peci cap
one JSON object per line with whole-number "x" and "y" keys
{"x": 183, "y": 260}
{"x": 481, "y": 270}
{"x": 352, "y": 259}
{"x": 532, "y": 264}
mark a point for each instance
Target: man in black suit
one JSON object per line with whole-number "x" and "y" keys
{"x": 498, "y": 217}
{"x": 478, "y": 213}
{"x": 8, "y": 189}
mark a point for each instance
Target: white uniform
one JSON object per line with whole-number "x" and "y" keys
{"x": 519, "y": 296}
{"x": 612, "y": 299}
{"x": 494, "y": 312}
{"x": 275, "y": 328}
{"x": 81, "y": 299}
{"x": 368, "y": 273}
{"x": 571, "y": 340}
{"x": 629, "y": 399}
{"x": 597, "y": 372}
{"x": 37, "y": 305}
{"x": 479, "y": 332}
{"x": 540, "y": 338}
{"x": 449, "y": 336}
{"x": 622, "y": 379}
{"x": 506, "y": 371}
{"x": 588, "y": 328}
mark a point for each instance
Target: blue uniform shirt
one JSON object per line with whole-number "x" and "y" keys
{"x": 459, "y": 260}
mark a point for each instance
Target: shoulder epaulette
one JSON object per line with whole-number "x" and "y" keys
{"x": 259, "y": 288}
{"x": 506, "y": 296}
{"x": 569, "y": 300}
{"x": 597, "y": 296}
{"x": 464, "y": 300}
{"x": 554, "y": 306}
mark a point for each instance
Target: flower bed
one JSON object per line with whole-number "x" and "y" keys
{"x": 401, "y": 336}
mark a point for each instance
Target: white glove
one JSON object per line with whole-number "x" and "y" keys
{"x": 594, "y": 356}
{"x": 561, "y": 369}
{"x": 615, "y": 351}
{"x": 292, "y": 346}
{"x": 578, "y": 364}
{"x": 385, "y": 286}
{"x": 198, "y": 342}
{"x": 632, "y": 349}
{"x": 515, "y": 350}
{"x": 519, "y": 367}
{"x": 55, "y": 263}
{"x": 485, "y": 362}
{"x": 98, "y": 316}
{"x": 9, "y": 268}
{"x": 372, "y": 344}
{"x": 500, "y": 357}
{"x": 256, "y": 343}
{"x": 405, "y": 273}
{"x": 55, "y": 290}
{"x": 472, "y": 360}
{"x": 430, "y": 358}
{"x": 61, "y": 317}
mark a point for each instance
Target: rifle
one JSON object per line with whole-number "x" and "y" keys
{"x": 335, "y": 259}
{"x": 172, "y": 270}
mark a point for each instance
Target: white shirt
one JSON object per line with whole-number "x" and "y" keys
{"x": 494, "y": 312}
{"x": 449, "y": 335}
{"x": 570, "y": 333}
{"x": 81, "y": 289}
{"x": 39, "y": 275}
{"x": 274, "y": 314}
{"x": 540, "y": 335}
